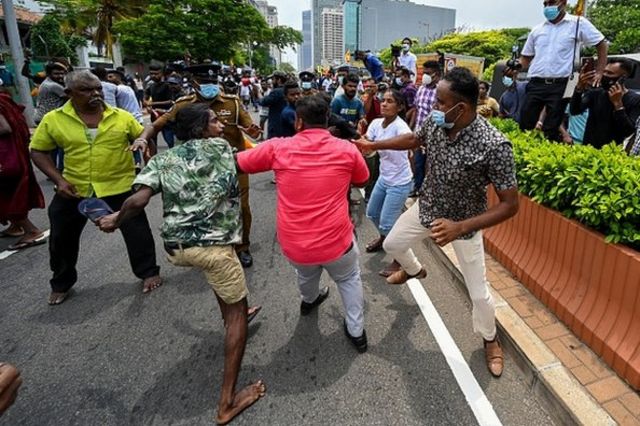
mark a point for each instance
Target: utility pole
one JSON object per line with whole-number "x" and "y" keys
{"x": 11, "y": 23}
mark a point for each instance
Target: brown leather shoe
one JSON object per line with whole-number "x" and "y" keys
{"x": 390, "y": 269}
{"x": 401, "y": 276}
{"x": 494, "y": 357}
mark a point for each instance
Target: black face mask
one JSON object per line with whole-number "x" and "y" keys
{"x": 608, "y": 82}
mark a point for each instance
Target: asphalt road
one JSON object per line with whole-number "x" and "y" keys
{"x": 113, "y": 356}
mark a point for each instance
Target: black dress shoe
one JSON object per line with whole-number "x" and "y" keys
{"x": 245, "y": 258}
{"x": 359, "y": 342}
{"x": 307, "y": 308}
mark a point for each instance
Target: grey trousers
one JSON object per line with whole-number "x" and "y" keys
{"x": 346, "y": 274}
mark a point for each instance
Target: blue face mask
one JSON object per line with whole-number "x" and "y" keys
{"x": 209, "y": 91}
{"x": 306, "y": 85}
{"x": 551, "y": 12}
{"x": 507, "y": 81}
{"x": 440, "y": 118}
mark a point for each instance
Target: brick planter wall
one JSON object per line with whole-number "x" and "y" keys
{"x": 593, "y": 287}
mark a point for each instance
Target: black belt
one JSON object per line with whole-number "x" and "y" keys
{"x": 549, "y": 80}
{"x": 171, "y": 247}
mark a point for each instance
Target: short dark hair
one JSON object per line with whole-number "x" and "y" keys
{"x": 627, "y": 66}
{"x": 464, "y": 84}
{"x": 313, "y": 110}
{"x": 155, "y": 67}
{"x": 486, "y": 85}
{"x": 351, "y": 78}
{"x": 407, "y": 39}
{"x": 433, "y": 65}
{"x": 406, "y": 72}
{"x": 100, "y": 72}
{"x": 192, "y": 121}
{"x": 56, "y": 64}
{"x": 290, "y": 85}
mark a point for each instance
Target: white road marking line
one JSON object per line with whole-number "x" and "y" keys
{"x": 361, "y": 190}
{"x": 8, "y": 253}
{"x": 477, "y": 400}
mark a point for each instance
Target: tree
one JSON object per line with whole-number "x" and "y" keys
{"x": 618, "y": 21}
{"x": 47, "y": 39}
{"x": 214, "y": 29}
{"x": 96, "y": 17}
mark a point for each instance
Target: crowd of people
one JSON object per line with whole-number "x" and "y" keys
{"x": 377, "y": 129}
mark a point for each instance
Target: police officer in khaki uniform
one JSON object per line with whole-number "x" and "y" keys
{"x": 308, "y": 83}
{"x": 236, "y": 121}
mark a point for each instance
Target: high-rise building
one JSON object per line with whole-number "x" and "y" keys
{"x": 270, "y": 14}
{"x": 375, "y": 24}
{"x": 332, "y": 41}
{"x": 305, "y": 52}
{"x": 317, "y": 6}
{"x": 351, "y": 10}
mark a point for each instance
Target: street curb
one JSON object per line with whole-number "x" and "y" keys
{"x": 568, "y": 401}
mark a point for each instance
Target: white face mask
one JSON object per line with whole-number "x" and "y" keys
{"x": 426, "y": 79}
{"x": 406, "y": 47}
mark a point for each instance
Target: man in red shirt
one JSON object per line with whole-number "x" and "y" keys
{"x": 313, "y": 172}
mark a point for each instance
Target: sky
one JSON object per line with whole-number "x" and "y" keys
{"x": 471, "y": 14}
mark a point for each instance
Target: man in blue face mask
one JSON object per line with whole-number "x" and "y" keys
{"x": 236, "y": 121}
{"x": 549, "y": 54}
{"x": 464, "y": 154}
{"x": 512, "y": 99}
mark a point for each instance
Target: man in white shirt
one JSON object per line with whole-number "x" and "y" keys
{"x": 407, "y": 59}
{"x": 549, "y": 55}
{"x": 125, "y": 96}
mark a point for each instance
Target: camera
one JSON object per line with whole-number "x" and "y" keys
{"x": 514, "y": 62}
{"x": 395, "y": 51}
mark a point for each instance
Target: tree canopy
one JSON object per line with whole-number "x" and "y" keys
{"x": 619, "y": 21}
{"x": 47, "y": 39}
{"x": 215, "y": 29}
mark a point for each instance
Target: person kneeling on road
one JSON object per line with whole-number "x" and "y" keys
{"x": 464, "y": 154}
{"x": 202, "y": 222}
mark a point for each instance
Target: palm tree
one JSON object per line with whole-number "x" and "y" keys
{"x": 95, "y": 18}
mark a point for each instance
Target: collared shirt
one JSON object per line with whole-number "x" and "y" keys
{"x": 127, "y": 100}
{"x": 458, "y": 171}
{"x": 200, "y": 192}
{"x": 313, "y": 172}
{"x": 553, "y": 46}
{"x": 50, "y": 96}
{"x": 109, "y": 91}
{"x": 100, "y": 165}
{"x": 409, "y": 61}
{"x": 425, "y": 99}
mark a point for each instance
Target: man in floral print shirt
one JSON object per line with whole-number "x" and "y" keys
{"x": 464, "y": 154}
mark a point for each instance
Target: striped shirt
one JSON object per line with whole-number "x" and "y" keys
{"x": 425, "y": 99}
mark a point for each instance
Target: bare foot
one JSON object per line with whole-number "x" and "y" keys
{"x": 151, "y": 283}
{"x": 242, "y": 400}
{"x": 56, "y": 298}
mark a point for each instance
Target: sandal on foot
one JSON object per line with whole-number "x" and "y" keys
{"x": 26, "y": 244}
{"x": 375, "y": 245}
{"x": 253, "y": 314}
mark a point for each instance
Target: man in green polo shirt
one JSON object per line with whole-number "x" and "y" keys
{"x": 96, "y": 140}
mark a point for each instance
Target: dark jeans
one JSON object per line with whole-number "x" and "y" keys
{"x": 64, "y": 242}
{"x": 540, "y": 94}
{"x": 373, "y": 164}
{"x": 169, "y": 136}
{"x": 419, "y": 163}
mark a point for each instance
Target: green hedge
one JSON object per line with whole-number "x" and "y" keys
{"x": 599, "y": 188}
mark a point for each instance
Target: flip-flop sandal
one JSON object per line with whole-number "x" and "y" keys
{"x": 27, "y": 244}
{"x": 252, "y": 315}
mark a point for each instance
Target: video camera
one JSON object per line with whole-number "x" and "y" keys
{"x": 396, "y": 51}
{"x": 514, "y": 62}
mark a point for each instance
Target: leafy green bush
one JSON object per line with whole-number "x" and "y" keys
{"x": 599, "y": 188}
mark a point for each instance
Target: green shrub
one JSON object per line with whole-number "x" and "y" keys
{"x": 597, "y": 187}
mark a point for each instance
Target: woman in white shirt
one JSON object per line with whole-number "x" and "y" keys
{"x": 395, "y": 182}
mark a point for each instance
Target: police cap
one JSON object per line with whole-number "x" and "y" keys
{"x": 205, "y": 71}
{"x": 278, "y": 74}
{"x": 306, "y": 76}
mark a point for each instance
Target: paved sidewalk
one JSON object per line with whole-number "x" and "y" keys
{"x": 589, "y": 384}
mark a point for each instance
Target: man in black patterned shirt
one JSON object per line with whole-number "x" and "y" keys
{"x": 464, "y": 154}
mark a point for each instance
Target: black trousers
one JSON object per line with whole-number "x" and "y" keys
{"x": 540, "y": 95}
{"x": 64, "y": 242}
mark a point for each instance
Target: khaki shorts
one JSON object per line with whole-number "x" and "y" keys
{"x": 221, "y": 267}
